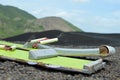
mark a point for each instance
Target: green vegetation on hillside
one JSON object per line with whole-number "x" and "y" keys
{"x": 14, "y": 21}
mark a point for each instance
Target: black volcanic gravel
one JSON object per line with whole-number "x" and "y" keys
{"x": 10, "y": 70}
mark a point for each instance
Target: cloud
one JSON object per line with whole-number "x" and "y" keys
{"x": 62, "y": 14}
{"x": 70, "y": 13}
{"x": 101, "y": 24}
{"x": 107, "y": 22}
{"x": 81, "y": 1}
{"x": 36, "y": 12}
{"x": 116, "y": 13}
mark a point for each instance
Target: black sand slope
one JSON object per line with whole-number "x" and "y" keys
{"x": 34, "y": 35}
{"x": 71, "y": 38}
{"x": 89, "y": 39}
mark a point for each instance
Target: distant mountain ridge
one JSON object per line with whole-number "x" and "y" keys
{"x": 14, "y": 21}
{"x": 57, "y": 23}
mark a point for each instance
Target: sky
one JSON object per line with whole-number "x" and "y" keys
{"x": 99, "y": 16}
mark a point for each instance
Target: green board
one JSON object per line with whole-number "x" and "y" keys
{"x": 58, "y": 62}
